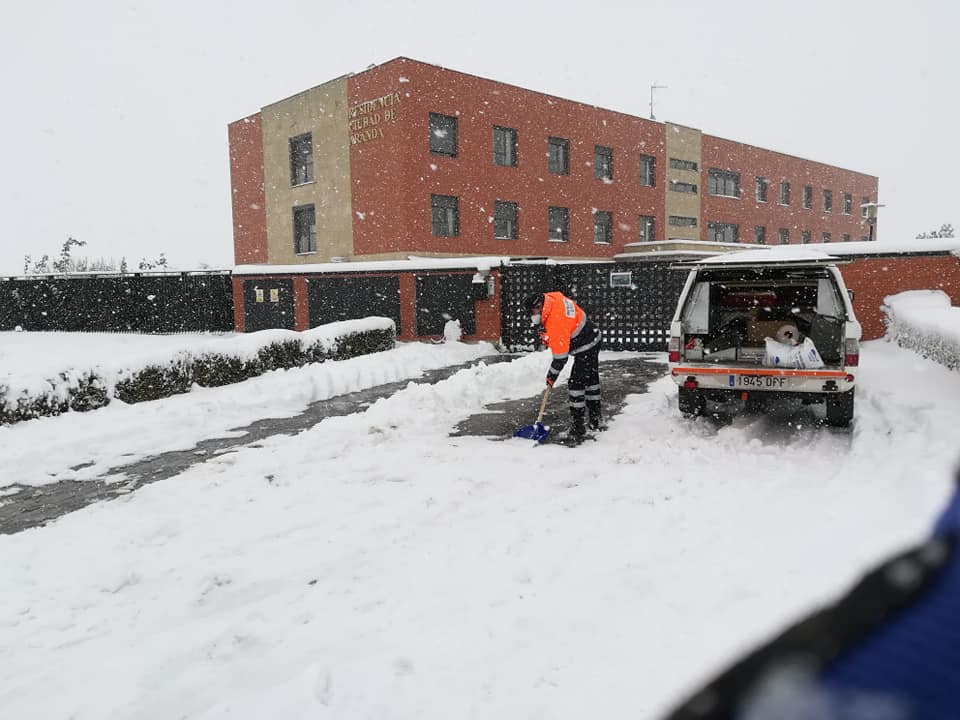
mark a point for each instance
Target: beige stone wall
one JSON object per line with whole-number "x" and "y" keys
{"x": 683, "y": 143}
{"x": 321, "y": 111}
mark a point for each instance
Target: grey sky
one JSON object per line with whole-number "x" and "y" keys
{"x": 115, "y": 113}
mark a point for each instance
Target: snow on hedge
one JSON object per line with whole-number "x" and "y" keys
{"x": 47, "y": 373}
{"x": 924, "y": 321}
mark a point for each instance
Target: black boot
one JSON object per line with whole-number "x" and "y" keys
{"x": 578, "y": 426}
{"x": 596, "y": 417}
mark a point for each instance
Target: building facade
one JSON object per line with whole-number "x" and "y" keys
{"x": 408, "y": 158}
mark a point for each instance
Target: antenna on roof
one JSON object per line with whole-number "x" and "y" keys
{"x": 652, "y": 88}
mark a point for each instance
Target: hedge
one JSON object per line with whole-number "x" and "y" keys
{"x": 911, "y": 328}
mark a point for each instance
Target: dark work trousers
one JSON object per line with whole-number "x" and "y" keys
{"x": 584, "y": 388}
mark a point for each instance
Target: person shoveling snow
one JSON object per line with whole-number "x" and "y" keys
{"x": 568, "y": 331}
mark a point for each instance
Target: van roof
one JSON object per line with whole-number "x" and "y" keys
{"x": 781, "y": 255}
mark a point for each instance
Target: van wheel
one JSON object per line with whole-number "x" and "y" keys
{"x": 840, "y": 409}
{"x": 691, "y": 402}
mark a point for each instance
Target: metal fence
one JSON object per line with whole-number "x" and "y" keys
{"x": 630, "y": 303}
{"x": 150, "y": 303}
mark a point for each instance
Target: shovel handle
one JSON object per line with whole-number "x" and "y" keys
{"x": 543, "y": 404}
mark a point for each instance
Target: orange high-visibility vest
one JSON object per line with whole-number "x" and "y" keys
{"x": 562, "y": 319}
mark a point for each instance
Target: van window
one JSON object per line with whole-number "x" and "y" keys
{"x": 696, "y": 314}
{"x": 828, "y": 299}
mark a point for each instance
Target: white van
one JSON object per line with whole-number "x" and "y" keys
{"x": 736, "y": 310}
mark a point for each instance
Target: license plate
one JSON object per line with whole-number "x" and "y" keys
{"x": 765, "y": 382}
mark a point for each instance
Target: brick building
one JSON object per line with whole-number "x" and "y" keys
{"x": 408, "y": 158}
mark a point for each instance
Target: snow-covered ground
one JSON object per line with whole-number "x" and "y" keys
{"x": 374, "y": 567}
{"x": 80, "y": 446}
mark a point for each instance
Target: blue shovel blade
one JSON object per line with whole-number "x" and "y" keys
{"x": 537, "y": 431}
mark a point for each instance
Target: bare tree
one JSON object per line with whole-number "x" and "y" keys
{"x": 945, "y": 231}
{"x": 160, "y": 262}
{"x": 66, "y": 263}
{"x": 69, "y": 264}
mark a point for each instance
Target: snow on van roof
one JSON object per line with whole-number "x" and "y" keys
{"x": 897, "y": 247}
{"x": 779, "y": 254}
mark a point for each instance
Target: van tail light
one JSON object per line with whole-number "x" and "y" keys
{"x": 673, "y": 350}
{"x": 691, "y": 383}
{"x": 851, "y": 353}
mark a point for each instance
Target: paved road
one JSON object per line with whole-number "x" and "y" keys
{"x": 618, "y": 378}
{"x": 29, "y": 506}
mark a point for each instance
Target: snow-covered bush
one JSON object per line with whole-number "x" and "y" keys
{"x": 69, "y": 391}
{"x": 214, "y": 370}
{"x": 924, "y": 321}
{"x": 249, "y": 356}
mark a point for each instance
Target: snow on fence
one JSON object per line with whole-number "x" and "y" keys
{"x": 924, "y": 321}
{"x": 176, "y": 370}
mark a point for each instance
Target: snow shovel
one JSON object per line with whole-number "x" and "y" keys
{"x": 538, "y": 431}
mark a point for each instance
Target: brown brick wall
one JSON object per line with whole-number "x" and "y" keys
{"x": 247, "y": 196}
{"x": 394, "y": 176}
{"x": 238, "y": 305}
{"x": 872, "y": 279}
{"x": 746, "y": 212}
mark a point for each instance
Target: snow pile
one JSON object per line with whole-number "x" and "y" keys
{"x": 37, "y": 379}
{"x": 452, "y": 331}
{"x": 924, "y": 321}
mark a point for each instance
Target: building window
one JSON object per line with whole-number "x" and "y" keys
{"x": 723, "y": 183}
{"x": 443, "y": 135}
{"x": 760, "y": 235}
{"x": 678, "y": 164}
{"x": 559, "y": 221}
{"x": 784, "y": 236}
{"x": 681, "y": 221}
{"x": 445, "y": 215}
{"x": 505, "y": 220}
{"x": 504, "y": 146}
{"x": 847, "y": 203}
{"x": 826, "y": 237}
{"x": 864, "y": 210}
{"x": 683, "y": 187}
{"x": 645, "y": 228}
{"x": 805, "y": 236}
{"x": 603, "y": 163}
{"x": 301, "y": 159}
{"x": 648, "y": 170}
{"x": 603, "y": 227}
{"x": 827, "y": 200}
{"x": 723, "y": 232}
{"x": 761, "y": 188}
{"x": 304, "y": 229}
{"x": 807, "y": 197}
{"x": 557, "y": 156}
{"x": 846, "y": 237}
{"x": 784, "y": 192}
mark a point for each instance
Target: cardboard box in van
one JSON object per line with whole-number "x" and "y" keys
{"x": 757, "y": 330}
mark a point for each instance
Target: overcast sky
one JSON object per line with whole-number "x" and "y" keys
{"x": 115, "y": 113}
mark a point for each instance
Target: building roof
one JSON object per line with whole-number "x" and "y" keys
{"x": 480, "y": 264}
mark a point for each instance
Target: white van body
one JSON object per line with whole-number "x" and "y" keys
{"x": 735, "y": 307}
